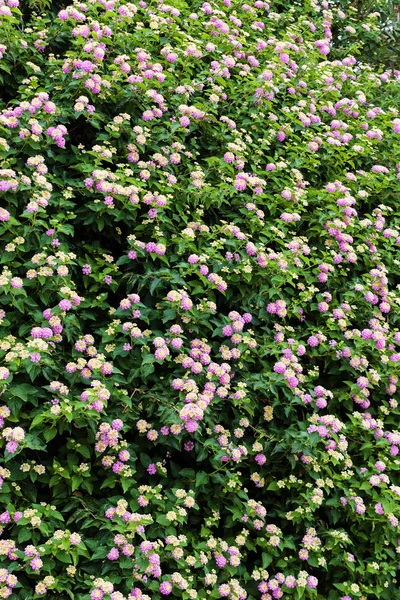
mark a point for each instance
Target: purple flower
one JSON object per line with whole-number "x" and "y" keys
{"x": 36, "y": 563}
{"x": 65, "y": 304}
{"x": 290, "y": 581}
{"x": 224, "y": 590}
{"x": 49, "y": 107}
{"x": 220, "y": 560}
{"x": 16, "y": 282}
{"x": 117, "y": 424}
{"x": 4, "y": 214}
{"x": 260, "y": 459}
{"x": 5, "y": 517}
{"x": 165, "y": 588}
{"x": 11, "y": 447}
{"x": 312, "y": 582}
{"x": 191, "y": 426}
{"x": 362, "y": 382}
{"x": 113, "y": 554}
{"x": 240, "y": 184}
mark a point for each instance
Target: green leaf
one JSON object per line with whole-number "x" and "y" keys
{"x": 24, "y": 535}
{"x": 76, "y": 481}
{"x": 201, "y": 478}
{"x": 63, "y": 557}
{"x": 100, "y": 552}
{"x": 49, "y": 434}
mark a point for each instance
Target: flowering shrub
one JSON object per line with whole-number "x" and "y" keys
{"x": 200, "y": 339}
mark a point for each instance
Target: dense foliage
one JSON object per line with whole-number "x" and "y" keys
{"x": 385, "y": 47}
{"x": 200, "y": 291}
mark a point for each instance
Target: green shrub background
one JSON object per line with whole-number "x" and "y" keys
{"x": 200, "y": 232}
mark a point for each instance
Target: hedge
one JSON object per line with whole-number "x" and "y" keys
{"x": 200, "y": 282}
